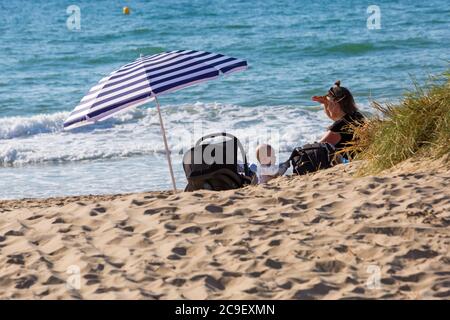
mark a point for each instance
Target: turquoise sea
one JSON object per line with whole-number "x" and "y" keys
{"x": 295, "y": 49}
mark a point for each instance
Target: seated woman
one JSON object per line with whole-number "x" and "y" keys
{"x": 340, "y": 107}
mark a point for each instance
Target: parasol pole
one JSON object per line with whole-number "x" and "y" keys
{"x": 163, "y": 131}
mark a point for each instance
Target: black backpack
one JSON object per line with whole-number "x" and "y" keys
{"x": 312, "y": 157}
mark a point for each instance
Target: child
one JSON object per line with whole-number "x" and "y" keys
{"x": 267, "y": 169}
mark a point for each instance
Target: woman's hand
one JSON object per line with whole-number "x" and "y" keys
{"x": 323, "y": 100}
{"x": 320, "y": 99}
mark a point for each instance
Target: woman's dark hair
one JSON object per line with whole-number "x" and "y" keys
{"x": 343, "y": 96}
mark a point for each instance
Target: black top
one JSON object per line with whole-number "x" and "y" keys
{"x": 342, "y": 127}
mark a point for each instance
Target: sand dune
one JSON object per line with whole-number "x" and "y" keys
{"x": 324, "y": 236}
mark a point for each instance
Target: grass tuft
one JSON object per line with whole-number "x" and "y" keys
{"x": 418, "y": 126}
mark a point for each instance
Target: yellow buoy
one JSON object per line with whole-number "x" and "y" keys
{"x": 126, "y": 10}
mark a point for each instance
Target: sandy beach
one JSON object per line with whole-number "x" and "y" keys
{"x": 324, "y": 236}
{"x": 108, "y": 109}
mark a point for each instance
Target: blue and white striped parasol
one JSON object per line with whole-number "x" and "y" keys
{"x": 143, "y": 80}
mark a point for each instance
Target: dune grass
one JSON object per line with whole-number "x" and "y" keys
{"x": 418, "y": 126}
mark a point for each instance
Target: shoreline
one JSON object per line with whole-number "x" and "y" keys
{"x": 412, "y": 165}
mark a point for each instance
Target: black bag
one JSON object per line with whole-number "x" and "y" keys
{"x": 312, "y": 157}
{"x": 222, "y": 171}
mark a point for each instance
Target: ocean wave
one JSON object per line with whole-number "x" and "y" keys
{"x": 40, "y": 139}
{"x": 23, "y": 126}
{"x": 15, "y": 127}
{"x": 11, "y": 156}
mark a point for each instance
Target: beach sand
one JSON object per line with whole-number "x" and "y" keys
{"x": 322, "y": 236}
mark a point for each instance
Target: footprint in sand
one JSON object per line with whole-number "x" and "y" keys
{"x": 215, "y": 264}
{"x": 34, "y": 217}
{"x": 256, "y": 274}
{"x": 151, "y": 295}
{"x": 253, "y": 290}
{"x": 16, "y": 259}
{"x": 241, "y": 212}
{"x": 214, "y": 284}
{"x": 274, "y": 243}
{"x": 420, "y": 254}
{"x": 96, "y": 211}
{"x": 177, "y": 282}
{"x": 359, "y": 290}
{"x": 213, "y": 208}
{"x": 138, "y": 203}
{"x": 342, "y": 248}
{"x": 231, "y": 274}
{"x": 193, "y": 229}
{"x": 442, "y": 288}
{"x": 123, "y": 226}
{"x": 216, "y": 231}
{"x": 13, "y": 233}
{"x": 389, "y": 231}
{"x": 416, "y": 277}
{"x": 52, "y": 280}
{"x": 300, "y": 206}
{"x": 387, "y": 281}
{"x": 26, "y": 282}
{"x": 161, "y": 210}
{"x": 273, "y": 264}
{"x": 329, "y": 266}
{"x": 197, "y": 195}
{"x": 180, "y": 251}
{"x": 284, "y": 201}
{"x": 319, "y": 218}
{"x": 58, "y": 220}
{"x": 91, "y": 279}
{"x": 286, "y": 286}
{"x": 170, "y": 226}
{"x": 317, "y": 291}
{"x": 239, "y": 252}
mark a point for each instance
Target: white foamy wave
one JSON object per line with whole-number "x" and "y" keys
{"x": 14, "y": 127}
{"x": 40, "y": 139}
